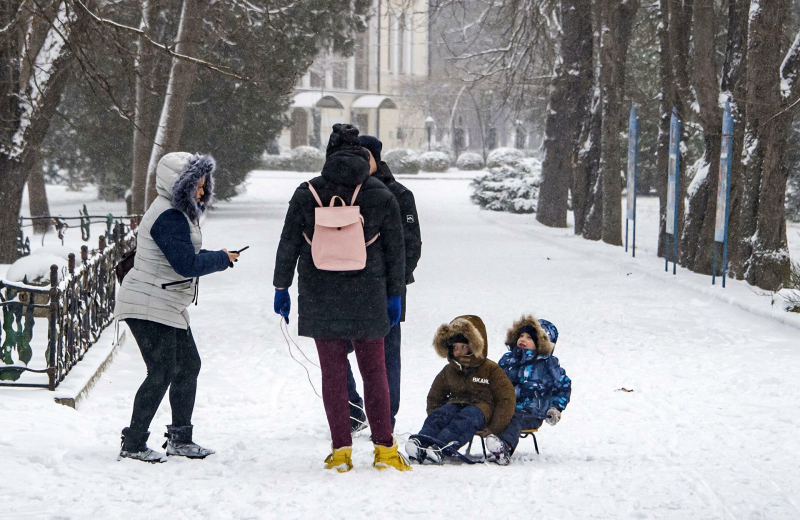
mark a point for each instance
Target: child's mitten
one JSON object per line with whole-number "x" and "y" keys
{"x": 553, "y": 416}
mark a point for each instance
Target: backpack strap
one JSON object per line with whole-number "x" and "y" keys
{"x": 315, "y": 194}
{"x": 372, "y": 240}
{"x": 355, "y": 194}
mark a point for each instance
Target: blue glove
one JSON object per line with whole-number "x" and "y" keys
{"x": 283, "y": 303}
{"x": 393, "y": 306}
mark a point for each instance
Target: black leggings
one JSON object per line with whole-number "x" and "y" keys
{"x": 172, "y": 362}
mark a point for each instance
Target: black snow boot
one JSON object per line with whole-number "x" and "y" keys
{"x": 134, "y": 446}
{"x": 179, "y": 442}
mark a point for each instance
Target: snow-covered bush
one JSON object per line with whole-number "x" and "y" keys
{"x": 504, "y": 156}
{"x": 509, "y": 188}
{"x": 434, "y": 162}
{"x": 791, "y": 291}
{"x": 307, "y": 159}
{"x": 444, "y": 148}
{"x": 276, "y": 162}
{"x": 35, "y": 268}
{"x": 469, "y": 162}
{"x": 402, "y": 161}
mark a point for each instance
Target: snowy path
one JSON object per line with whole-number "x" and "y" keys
{"x": 708, "y": 432}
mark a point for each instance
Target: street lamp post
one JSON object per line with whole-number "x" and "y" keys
{"x": 429, "y": 129}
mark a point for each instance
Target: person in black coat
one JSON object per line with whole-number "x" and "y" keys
{"x": 413, "y": 250}
{"x": 340, "y": 309}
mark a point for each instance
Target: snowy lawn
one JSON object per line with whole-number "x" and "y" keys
{"x": 709, "y": 430}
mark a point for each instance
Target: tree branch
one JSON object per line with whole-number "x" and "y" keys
{"x": 116, "y": 25}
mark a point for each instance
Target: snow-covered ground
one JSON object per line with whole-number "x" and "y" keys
{"x": 708, "y": 431}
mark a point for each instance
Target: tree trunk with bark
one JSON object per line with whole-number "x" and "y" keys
{"x": 144, "y": 115}
{"x": 697, "y": 240}
{"x": 665, "y": 111}
{"x": 37, "y": 196}
{"x": 569, "y": 101}
{"x": 29, "y": 107}
{"x": 761, "y": 219}
{"x": 587, "y": 201}
{"x": 179, "y": 88}
{"x": 734, "y": 87}
{"x": 618, "y": 18}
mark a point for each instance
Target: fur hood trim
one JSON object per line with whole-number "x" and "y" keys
{"x": 544, "y": 346}
{"x": 185, "y": 187}
{"x": 471, "y": 327}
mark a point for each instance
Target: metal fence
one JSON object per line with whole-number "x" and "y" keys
{"x": 77, "y": 309}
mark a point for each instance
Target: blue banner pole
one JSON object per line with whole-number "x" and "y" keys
{"x": 714, "y": 264}
{"x": 635, "y": 174}
{"x": 633, "y": 144}
{"x": 727, "y": 132}
{"x": 673, "y": 189}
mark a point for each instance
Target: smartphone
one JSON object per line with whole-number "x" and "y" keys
{"x": 240, "y": 251}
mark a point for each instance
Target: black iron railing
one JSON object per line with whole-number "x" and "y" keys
{"x": 77, "y": 308}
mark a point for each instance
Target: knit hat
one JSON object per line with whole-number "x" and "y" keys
{"x": 343, "y": 136}
{"x": 373, "y": 145}
{"x": 457, "y": 338}
{"x": 531, "y": 330}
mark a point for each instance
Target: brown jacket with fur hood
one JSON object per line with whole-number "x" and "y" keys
{"x": 472, "y": 380}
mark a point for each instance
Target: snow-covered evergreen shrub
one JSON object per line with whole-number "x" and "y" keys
{"x": 442, "y": 147}
{"x": 434, "y": 162}
{"x": 469, "y": 162}
{"x": 402, "y": 161}
{"x": 791, "y": 291}
{"x": 508, "y": 188}
{"x": 504, "y": 156}
{"x": 276, "y": 162}
{"x": 307, "y": 159}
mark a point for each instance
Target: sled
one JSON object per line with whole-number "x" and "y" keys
{"x": 523, "y": 434}
{"x": 449, "y": 451}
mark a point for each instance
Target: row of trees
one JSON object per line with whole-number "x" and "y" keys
{"x": 100, "y": 91}
{"x": 708, "y": 51}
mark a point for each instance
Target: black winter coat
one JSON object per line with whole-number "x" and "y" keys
{"x": 344, "y": 304}
{"x": 412, "y": 237}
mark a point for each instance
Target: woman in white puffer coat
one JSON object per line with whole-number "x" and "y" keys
{"x": 153, "y": 300}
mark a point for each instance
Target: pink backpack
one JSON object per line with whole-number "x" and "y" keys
{"x": 338, "y": 243}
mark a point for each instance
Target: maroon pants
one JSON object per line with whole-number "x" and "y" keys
{"x": 372, "y": 365}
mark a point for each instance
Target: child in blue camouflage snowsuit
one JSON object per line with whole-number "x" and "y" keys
{"x": 541, "y": 385}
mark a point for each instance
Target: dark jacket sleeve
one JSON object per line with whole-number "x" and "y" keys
{"x": 172, "y": 235}
{"x": 562, "y": 388}
{"x": 505, "y": 400}
{"x": 509, "y": 365}
{"x": 393, "y": 249}
{"x": 411, "y": 233}
{"x": 437, "y": 395}
{"x": 290, "y": 244}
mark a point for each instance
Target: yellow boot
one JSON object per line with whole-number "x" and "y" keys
{"x": 340, "y": 459}
{"x": 390, "y": 458}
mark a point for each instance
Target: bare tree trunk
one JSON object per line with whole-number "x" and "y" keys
{"x": 665, "y": 110}
{"x": 585, "y": 183}
{"x": 144, "y": 115}
{"x": 764, "y": 247}
{"x": 614, "y": 54}
{"x": 29, "y": 107}
{"x": 587, "y": 200}
{"x": 569, "y": 101}
{"x": 697, "y": 240}
{"x": 734, "y": 86}
{"x": 680, "y": 34}
{"x": 37, "y": 196}
{"x": 179, "y": 89}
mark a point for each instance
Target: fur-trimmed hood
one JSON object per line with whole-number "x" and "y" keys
{"x": 471, "y": 327}
{"x": 544, "y": 347}
{"x": 177, "y": 176}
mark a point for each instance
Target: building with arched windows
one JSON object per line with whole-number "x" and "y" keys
{"x": 366, "y": 89}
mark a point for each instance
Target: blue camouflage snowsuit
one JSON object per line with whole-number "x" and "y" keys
{"x": 539, "y": 381}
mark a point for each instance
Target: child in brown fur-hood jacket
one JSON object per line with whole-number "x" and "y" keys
{"x": 471, "y": 393}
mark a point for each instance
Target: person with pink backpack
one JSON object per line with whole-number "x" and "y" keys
{"x": 344, "y": 234}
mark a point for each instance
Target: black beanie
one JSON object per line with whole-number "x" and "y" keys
{"x": 373, "y": 145}
{"x": 531, "y": 330}
{"x": 457, "y": 338}
{"x": 343, "y": 136}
